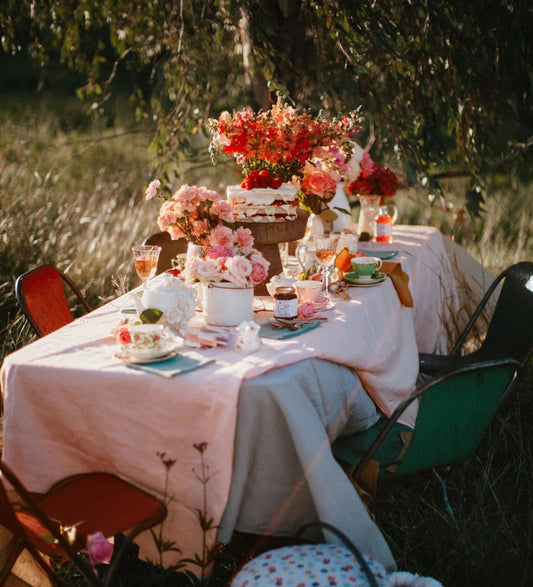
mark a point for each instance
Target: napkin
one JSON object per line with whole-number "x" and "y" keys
{"x": 269, "y": 331}
{"x": 400, "y": 280}
{"x": 393, "y": 269}
{"x": 173, "y": 366}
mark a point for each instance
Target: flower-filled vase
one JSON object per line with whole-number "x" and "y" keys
{"x": 226, "y": 304}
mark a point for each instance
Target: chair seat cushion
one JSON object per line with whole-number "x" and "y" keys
{"x": 308, "y": 564}
{"x": 351, "y": 449}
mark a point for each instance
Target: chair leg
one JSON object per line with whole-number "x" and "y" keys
{"x": 445, "y": 498}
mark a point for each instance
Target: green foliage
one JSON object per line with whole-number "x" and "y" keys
{"x": 445, "y": 89}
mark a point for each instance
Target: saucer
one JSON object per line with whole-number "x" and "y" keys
{"x": 376, "y": 279}
{"x": 126, "y": 357}
{"x": 323, "y": 306}
{"x": 380, "y": 254}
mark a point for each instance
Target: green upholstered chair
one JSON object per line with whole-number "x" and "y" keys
{"x": 454, "y": 411}
{"x": 510, "y": 332}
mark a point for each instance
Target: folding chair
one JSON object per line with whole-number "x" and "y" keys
{"x": 169, "y": 249}
{"x": 454, "y": 412}
{"x": 510, "y": 332}
{"x": 42, "y": 297}
{"x": 91, "y": 502}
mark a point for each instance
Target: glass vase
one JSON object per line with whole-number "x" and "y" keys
{"x": 369, "y": 209}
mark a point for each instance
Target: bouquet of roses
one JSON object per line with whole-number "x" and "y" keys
{"x": 229, "y": 257}
{"x": 317, "y": 188}
{"x": 279, "y": 140}
{"x": 373, "y": 179}
{"x": 191, "y": 213}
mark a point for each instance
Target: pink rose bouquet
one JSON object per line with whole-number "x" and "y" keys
{"x": 192, "y": 212}
{"x": 317, "y": 188}
{"x": 229, "y": 257}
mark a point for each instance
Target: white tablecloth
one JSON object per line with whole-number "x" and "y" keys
{"x": 71, "y": 406}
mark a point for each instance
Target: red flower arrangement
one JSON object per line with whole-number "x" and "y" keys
{"x": 279, "y": 140}
{"x": 373, "y": 179}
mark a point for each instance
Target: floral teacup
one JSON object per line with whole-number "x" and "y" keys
{"x": 148, "y": 341}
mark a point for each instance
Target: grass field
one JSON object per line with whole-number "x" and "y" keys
{"x": 71, "y": 193}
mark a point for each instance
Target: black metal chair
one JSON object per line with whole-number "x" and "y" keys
{"x": 42, "y": 296}
{"x": 510, "y": 332}
{"x": 169, "y": 249}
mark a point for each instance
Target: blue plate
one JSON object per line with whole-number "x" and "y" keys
{"x": 380, "y": 254}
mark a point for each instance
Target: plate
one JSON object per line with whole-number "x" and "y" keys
{"x": 384, "y": 255}
{"x": 132, "y": 360}
{"x": 355, "y": 281}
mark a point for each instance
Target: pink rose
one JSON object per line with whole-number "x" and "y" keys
{"x": 221, "y": 252}
{"x": 238, "y": 270}
{"x": 151, "y": 190}
{"x": 99, "y": 549}
{"x": 319, "y": 183}
{"x": 259, "y": 273}
{"x": 122, "y": 334}
{"x": 221, "y": 236}
{"x": 244, "y": 237}
{"x": 209, "y": 270}
{"x": 306, "y": 310}
{"x": 223, "y": 210}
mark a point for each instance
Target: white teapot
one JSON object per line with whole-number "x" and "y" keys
{"x": 171, "y": 296}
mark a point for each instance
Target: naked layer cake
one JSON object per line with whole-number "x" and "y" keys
{"x": 263, "y": 204}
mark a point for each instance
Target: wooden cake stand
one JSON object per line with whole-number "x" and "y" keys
{"x": 268, "y": 235}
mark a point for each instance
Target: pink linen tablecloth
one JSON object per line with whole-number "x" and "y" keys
{"x": 71, "y": 406}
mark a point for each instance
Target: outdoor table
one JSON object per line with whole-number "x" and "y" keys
{"x": 263, "y": 420}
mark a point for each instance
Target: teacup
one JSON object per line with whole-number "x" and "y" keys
{"x": 148, "y": 341}
{"x": 365, "y": 267}
{"x": 308, "y": 290}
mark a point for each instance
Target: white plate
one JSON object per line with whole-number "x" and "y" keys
{"x": 132, "y": 359}
{"x": 365, "y": 282}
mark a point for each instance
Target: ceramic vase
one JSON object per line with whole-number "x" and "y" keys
{"x": 226, "y": 304}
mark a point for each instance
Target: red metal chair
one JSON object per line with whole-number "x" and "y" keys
{"x": 41, "y": 294}
{"x": 92, "y": 502}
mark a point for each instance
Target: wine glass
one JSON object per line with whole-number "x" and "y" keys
{"x": 146, "y": 258}
{"x": 325, "y": 251}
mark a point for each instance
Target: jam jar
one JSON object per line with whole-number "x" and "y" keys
{"x": 286, "y": 303}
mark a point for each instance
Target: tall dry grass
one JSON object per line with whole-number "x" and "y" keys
{"x": 71, "y": 193}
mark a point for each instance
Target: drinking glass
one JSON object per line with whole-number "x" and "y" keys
{"x": 146, "y": 258}
{"x": 325, "y": 251}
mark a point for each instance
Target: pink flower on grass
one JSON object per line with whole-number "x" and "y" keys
{"x": 99, "y": 549}
{"x": 151, "y": 190}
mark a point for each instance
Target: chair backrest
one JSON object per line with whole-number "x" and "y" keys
{"x": 454, "y": 412}
{"x": 510, "y": 332}
{"x": 43, "y": 300}
{"x": 169, "y": 249}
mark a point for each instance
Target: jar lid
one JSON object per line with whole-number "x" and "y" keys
{"x": 285, "y": 290}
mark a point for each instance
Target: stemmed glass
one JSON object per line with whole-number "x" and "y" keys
{"x": 146, "y": 258}
{"x": 325, "y": 251}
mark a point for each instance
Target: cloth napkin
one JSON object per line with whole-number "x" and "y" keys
{"x": 269, "y": 331}
{"x": 400, "y": 279}
{"x": 173, "y": 366}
